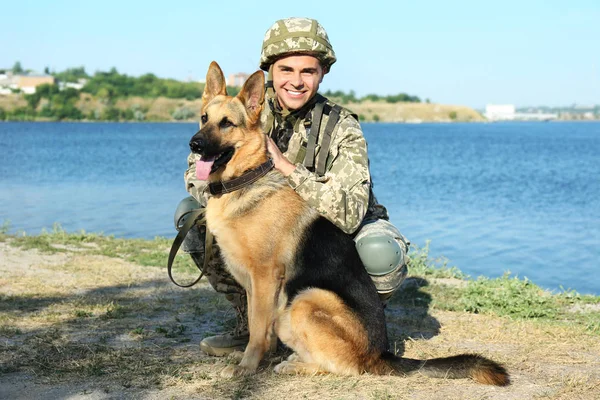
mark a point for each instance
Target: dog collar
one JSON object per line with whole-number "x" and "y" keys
{"x": 246, "y": 179}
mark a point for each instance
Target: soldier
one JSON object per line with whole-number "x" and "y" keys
{"x": 320, "y": 148}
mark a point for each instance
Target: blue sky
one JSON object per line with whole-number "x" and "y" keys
{"x": 452, "y": 52}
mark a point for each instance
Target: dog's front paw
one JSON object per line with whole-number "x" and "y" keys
{"x": 285, "y": 367}
{"x": 232, "y": 371}
{"x": 235, "y": 356}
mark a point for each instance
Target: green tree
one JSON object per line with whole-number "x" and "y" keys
{"x": 61, "y": 104}
{"x": 47, "y": 111}
{"x": 71, "y": 74}
{"x": 127, "y": 114}
{"x": 402, "y": 97}
{"x": 17, "y": 68}
{"x": 22, "y": 114}
{"x": 47, "y": 90}
{"x": 33, "y": 100}
{"x": 371, "y": 97}
{"x": 110, "y": 114}
{"x": 68, "y": 111}
{"x": 231, "y": 90}
{"x": 106, "y": 93}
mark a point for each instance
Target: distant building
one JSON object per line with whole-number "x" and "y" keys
{"x": 28, "y": 83}
{"x": 4, "y": 75}
{"x": 73, "y": 85}
{"x": 500, "y": 112}
{"x": 7, "y": 81}
{"x": 508, "y": 112}
{"x": 237, "y": 79}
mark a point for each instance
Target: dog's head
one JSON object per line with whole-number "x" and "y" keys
{"x": 230, "y": 140}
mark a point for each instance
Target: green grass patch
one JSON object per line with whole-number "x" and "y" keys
{"x": 114, "y": 311}
{"x": 152, "y": 253}
{"x": 82, "y": 314}
{"x": 506, "y": 296}
{"x": 172, "y": 331}
{"x": 509, "y": 296}
{"x": 422, "y": 265}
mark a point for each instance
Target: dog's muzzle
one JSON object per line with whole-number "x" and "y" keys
{"x": 197, "y": 145}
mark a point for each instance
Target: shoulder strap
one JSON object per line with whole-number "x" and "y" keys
{"x": 313, "y": 134}
{"x": 269, "y": 124}
{"x": 196, "y": 215}
{"x": 334, "y": 116}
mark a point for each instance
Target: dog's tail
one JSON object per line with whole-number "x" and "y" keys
{"x": 474, "y": 366}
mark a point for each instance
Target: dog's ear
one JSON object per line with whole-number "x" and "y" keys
{"x": 252, "y": 94}
{"x": 215, "y": 83}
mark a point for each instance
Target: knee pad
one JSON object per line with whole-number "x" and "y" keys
{"x": 379, "y": 254}
{"x": 383, "y": 258}
{"x": 193, "y": 243}
{"x": 183, "y": 209}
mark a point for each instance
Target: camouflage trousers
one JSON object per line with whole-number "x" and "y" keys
{"x": 223, "y": 282}
{"x": 218, "y": 276}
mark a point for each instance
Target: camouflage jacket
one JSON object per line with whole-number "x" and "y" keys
{"x": 344, "y": 193}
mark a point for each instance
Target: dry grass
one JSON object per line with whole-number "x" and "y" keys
{"x": 12, "y": 101}
{"x": 154, "y": 109}
{"x": 413, "y": 112}
{"x": 76, "y": 323}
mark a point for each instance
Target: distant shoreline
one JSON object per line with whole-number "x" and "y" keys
{"x": 162, "y": 109}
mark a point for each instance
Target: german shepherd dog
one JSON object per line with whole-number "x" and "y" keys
{"x": 303, "y": 276}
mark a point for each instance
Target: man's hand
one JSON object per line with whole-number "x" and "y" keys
{"x": 281, "y": 163}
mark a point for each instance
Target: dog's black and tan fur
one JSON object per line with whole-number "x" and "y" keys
{"x": 304, "y": 279}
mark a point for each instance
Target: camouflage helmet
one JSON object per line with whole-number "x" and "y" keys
{"x": 296, "y": 35}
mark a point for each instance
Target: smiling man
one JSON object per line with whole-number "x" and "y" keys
{"x": 319, "y": 146}
{"x": 297, "y": 80}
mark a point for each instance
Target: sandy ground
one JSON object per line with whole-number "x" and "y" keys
{"x": 75, "y": 326}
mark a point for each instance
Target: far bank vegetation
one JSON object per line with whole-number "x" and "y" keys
{"x": 112, "y": 96}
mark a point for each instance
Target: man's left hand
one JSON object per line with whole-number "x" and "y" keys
{"x": 281, "y": 163}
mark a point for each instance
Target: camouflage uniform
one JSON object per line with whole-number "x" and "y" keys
{"x": 343, "y": 194}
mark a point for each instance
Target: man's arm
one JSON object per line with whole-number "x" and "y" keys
{"x": 194, "y": 186}
{"x": 342, "y": 195}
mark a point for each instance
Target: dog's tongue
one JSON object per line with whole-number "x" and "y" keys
{"x": 203, "y": 167}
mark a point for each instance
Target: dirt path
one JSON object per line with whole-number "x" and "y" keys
{"x": 75, "y": 326}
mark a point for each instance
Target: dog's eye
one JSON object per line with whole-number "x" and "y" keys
{"x": 204, "y": 118}
{"x": 225, "y": 123}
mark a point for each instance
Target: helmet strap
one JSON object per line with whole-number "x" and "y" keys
{"x": 272, "y": 96}
{"x": 269, "y": 88}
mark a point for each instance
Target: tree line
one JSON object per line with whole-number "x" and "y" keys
{"x": 346, "y": 98}
{"x": 59, "y": 102}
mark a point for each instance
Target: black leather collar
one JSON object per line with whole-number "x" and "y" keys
{"x": 246, "y": 179}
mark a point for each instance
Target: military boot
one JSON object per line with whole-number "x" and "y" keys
{"x": 194, "y": 244}
{"x": 222, "y": 345}
{"x": 222, "y": 281}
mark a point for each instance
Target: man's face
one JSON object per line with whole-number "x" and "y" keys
{"x": 296, "y": 80}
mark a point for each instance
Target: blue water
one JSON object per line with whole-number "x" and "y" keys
{"x": 491, "y": 198}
